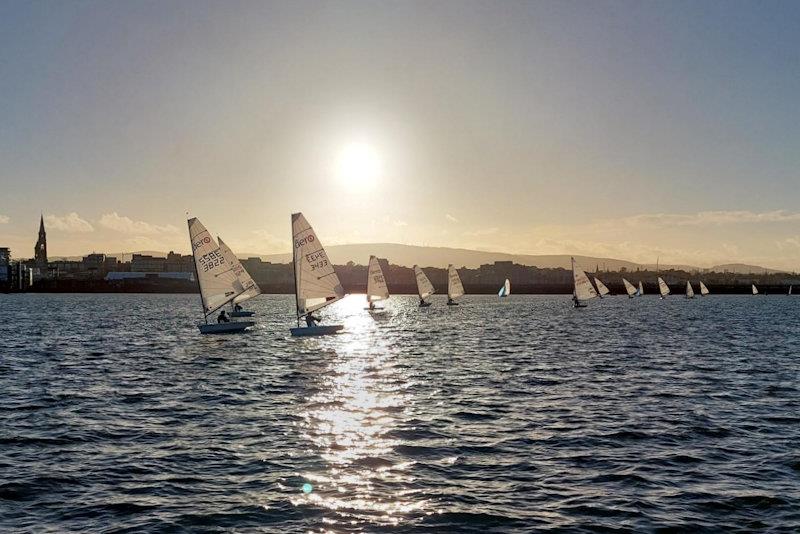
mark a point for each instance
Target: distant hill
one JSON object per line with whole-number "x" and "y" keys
{"x": 408, "y": 255}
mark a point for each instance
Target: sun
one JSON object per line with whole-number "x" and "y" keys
{"x": 358, "y": 165}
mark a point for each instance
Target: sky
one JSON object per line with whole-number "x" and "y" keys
{"x": 626, "y": 129}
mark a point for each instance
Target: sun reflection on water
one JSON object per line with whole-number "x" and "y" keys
{"x": 350, "y": 422}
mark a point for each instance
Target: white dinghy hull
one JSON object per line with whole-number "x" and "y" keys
{"x": 305, "y": 331}
{"x": 225, "y": 328}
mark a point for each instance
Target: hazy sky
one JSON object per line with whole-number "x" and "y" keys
{"x": 626, "y": 129}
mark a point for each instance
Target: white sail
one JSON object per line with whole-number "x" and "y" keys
{"x": 790, "y": 289}
{"x": 601, "y": 287}
{"x": 641, "y": 289}
{"x": 251, "y": 289}
{"x": 505, "y": 290}
{"x": 703, "y": 289}
{"x": 316, "y": 283}
{"x": 376, "y": 283}
{"x": 583, "y": 287}
{"x": 629, "y": 288}
{"x": 424, "y": 286}
{"x": 454, "y": 286}
{"x": 755, "y": 290}
{"x": 218, "y": 283}
{"x": 663, "y": 288}
{"x": 689, "y": 290}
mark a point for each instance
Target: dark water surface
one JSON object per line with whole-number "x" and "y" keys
{"x": 517, "y": 416}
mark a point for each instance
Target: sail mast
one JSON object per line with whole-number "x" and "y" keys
{"x": 196, "y": 276}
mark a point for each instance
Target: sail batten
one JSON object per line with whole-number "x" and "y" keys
{"x": 316, "y": 282}
{"x": 218, "y": 283}
{"x": 376, "y": 282}
{"x": 455, "y": 288}
{"x": 424, "y": 287}
{"x": 629, "y": 288}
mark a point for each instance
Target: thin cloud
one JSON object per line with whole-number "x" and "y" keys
{"x": 5, "y": 219}
{"x": 69, "y": 223}
{"x": 126, "y": 225}
{"x": 450, "y": 218}
{"x": 400, "y": 224}
{"x": 710, "y": 218}
{"x": 481, "y": 232}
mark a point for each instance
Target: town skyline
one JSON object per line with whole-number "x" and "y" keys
{"x": 619, "y": 129}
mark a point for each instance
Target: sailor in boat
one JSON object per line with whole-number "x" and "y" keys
{"x": 371, "y": 305}
{"x": 422, "y": 302}
{"x": 223, "y": 317}
{"x": 450, "y": 301}
{"x": 312, "y": 321}
{"x": 237, "y": 308}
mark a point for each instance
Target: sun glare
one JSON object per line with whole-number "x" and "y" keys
{"x": 358, "y": 165}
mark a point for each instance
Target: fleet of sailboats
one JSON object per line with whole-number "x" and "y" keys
{"x": 218, "y": 283}
{"x": 315, "y": 279}
{"x": 455, "y": 288}
{"x": 222, "y": 280}
{"x": 424, "y": 287}
{"x": 377, "y": 289}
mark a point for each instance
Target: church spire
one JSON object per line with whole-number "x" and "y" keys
{"x": 41, "y": 247}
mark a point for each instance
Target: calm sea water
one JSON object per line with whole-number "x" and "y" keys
{"x": 516, "y": 416}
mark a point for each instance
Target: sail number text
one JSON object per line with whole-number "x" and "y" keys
{"x": 317, "y": 260}
{"x": 210, "y": 260}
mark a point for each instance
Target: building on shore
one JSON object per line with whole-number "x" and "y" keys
{"x": 40, "y": 251}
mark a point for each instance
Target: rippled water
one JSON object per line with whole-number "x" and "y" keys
{"x": 513, "y": 416}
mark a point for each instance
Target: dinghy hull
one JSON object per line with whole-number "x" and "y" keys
{"x": 225, "y": 328}
{"x": 243, "y": 313}
{"x": 424, "y": 304}
{"x": 306, "y": 331}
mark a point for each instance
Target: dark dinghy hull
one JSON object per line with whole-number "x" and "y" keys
{"x": 306, "y": 331}
{"x": 242, "y": 313}
{"x": 234, "y": 327}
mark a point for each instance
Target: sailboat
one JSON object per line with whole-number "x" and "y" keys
{"x": 641, "y": 289}
{"x": 315, "y": 281}
{"x": 583, "y": 289}
{"x": 755, "y": 289}
{"x": 663, "y": 288}
{"x": 455, "y": 288}
{"x": 424, "y": 287}
{"x": 217, "y": 283}
{"x": 790, "y": 289}
{"x": 689, "y": 290}
{"x": 602, "y": 290}
{"x": 376, "y": 283}
{"x": 505, "y": 290}
{"x": 629, "y": 288}
{"x": 251, "y": 289}
{"x": 703, "y": 289}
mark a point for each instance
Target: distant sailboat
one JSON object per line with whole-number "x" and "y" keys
{"x": 629, "y": 288}
{"x": 218, "y": 284}
{"x": 641, "y": 289}
{"x": 424, "y": 287}
{"x": 790, "y": 289}
{"x": 316, "y": 283}
{"x": 755, "y": 290}
{"x": 505, "y": 290}
{"x": 602, "y": 290}
{"x": 583, "y": 289}
{"x": 251, "y": 289}
{"x": 663, "y": 288}
{"x": 703, "y": 289}
{"x": 689, "y": 290}
{"x": 455, "y": 288}
{"x": 377, "y": 289}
